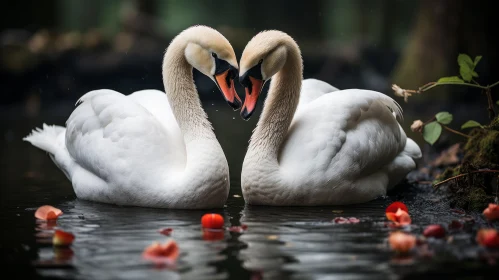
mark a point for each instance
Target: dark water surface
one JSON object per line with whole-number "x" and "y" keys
{"x": 280, "y": 243}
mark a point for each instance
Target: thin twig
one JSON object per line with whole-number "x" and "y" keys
{"x": 492, "y": 112}
{"x": 453, "y": 83}
{"x": 423, "y": 88}
{"x": 455, "y": 131}
{"x": 462, "y": 175}
{"x": 493, "y": 85}
{"x": 429, "y": 121}
{"x": 431, "y": 85}
{"x": 424, "y": 182}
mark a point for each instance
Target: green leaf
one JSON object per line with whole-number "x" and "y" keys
{"x": 469, "y": 124}
{"x": 477, "y": 59}
{"x": 444, "y": 117}
{"x": 474, "y": 74}
{"x": 465, "y": 74}
{"x": 465, "y": 66}
{"x": 453, "y": 79}
{"x": 464, "y": 59}
{"x": 431, "y": 132}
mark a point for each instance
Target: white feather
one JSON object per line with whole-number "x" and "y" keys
{"x": 342, "y": 147}
{"x": 127, "y": 150}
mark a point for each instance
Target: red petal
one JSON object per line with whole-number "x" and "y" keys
{"x": 47, "y": 212}
{"x": 62, "y": 238}
{"x": 392, "y": 208}
{"x": 403, "y": 217}
{"x": 436, "y": 231}
{"x": 166, "y": 231}
{"x": 340, "y": 220}
{"x": 391, "y": 216}
{"x": 161, "y": 253}
{"x": 214, "y": 221}
{"x": 491, "y": 212}
{"x": 401, "y": 242}
{"x": 353, "y": 220}
{"x": 488, "y": 238}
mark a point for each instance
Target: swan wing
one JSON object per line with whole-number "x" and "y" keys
{"x": 312, "y": 89}
{"x": 342, "y": 137}
{"x": 117, "y": 139}
{"x": 156, "y": 102}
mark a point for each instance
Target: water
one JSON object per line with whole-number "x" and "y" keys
{"x": 280, "y": 243}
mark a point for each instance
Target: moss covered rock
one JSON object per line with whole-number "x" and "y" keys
{"x": 481, "y": 151}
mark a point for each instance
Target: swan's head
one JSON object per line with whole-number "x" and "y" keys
{"x": 262, "y": 58}
{"x": 211, "y": 53}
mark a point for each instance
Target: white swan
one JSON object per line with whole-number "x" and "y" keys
{"x": 323, "y": 147}
{"x": 151, "y": 149}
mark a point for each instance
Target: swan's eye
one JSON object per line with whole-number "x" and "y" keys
{"x": 214, "y": 55}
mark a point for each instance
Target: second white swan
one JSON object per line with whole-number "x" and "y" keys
{"x": 323, "y": 146}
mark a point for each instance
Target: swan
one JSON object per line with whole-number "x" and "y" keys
{"x": 320, "y": 146}
{"x": 150, "y": 149}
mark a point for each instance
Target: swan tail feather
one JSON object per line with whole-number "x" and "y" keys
{"x": 50, "y": 138}
{"x": 45, "y": 138}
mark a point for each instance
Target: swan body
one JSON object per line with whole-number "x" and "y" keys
{"x": 149, "y": 148}
{"x": 315, "y": 144}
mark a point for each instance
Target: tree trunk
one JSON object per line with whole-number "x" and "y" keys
{"x": 432, "y": 47}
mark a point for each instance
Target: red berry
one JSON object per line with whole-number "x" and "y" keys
{"x": 214, "y": 221}
{"x": 436, "y": 231}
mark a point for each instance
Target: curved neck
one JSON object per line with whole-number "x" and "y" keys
{"x": 279, "y": 108}
{"x": 182, "y": 94}
{"x": 202, "y": 147}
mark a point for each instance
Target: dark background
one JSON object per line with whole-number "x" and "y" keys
{"x": 55, "y": 51}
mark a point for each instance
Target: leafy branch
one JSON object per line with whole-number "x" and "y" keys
{"x": 432, "y": 129}
{"x": 467, "y": 73}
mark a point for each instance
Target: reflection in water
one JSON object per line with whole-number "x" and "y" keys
{"x": 291, "y": 242}
{"x": 301, "y": 242}
{"x": 111, "y": 239}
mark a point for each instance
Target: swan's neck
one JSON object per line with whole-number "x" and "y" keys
{"x": 205, "y": 161}
{"x": 279, "y": 109}
{"x": 183, "y": 96}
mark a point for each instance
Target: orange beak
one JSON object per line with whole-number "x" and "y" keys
{"x": 225, "y": 82}
{"x": 252, "y": 93}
